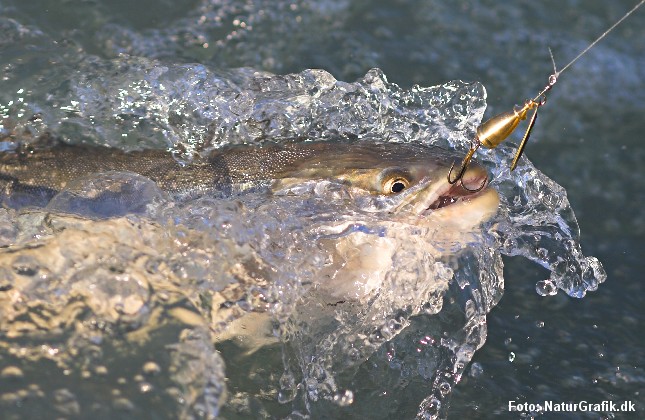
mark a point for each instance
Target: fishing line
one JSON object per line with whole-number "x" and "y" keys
{"x": 496, "y": 130}
{"x": 557, "y": 74}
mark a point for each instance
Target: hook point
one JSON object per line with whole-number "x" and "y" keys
{"x": 481, "y": 187}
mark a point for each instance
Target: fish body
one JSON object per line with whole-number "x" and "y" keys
{"x": 369, "y": 167}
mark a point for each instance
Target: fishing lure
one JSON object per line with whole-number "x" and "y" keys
{"x": 494, "y": 131}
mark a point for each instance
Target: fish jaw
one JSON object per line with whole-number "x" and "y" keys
{"x": 463, "y": 205}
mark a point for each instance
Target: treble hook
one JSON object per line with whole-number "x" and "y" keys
{"x": 462, "y": 169}
{"x": 493, "y": 132}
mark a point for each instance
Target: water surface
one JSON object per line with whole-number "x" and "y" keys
{"x": 587, "y": 139}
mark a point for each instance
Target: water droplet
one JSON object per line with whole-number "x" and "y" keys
{"x": 100, "y": 370}
{"x": 145, "y": 387}
{"x": 546, "y": 288}
{"x": 344, "y": 398}
{"x": 476, "y": 370}
{"x": 354, "y": 354}
{"x": 151, "y": 368}
{"x": 11, "y": 372}
{"x": 432, "y": 407}
{"x": 542, "y": 253}
{"x": 288, "y": 388}
{"x": 444, "y": 388}
{"x": 35, "y": 391}
{"x": 470, "y": 309}
{"x": 65, "y": 402}
{"x": 511, "y": 357}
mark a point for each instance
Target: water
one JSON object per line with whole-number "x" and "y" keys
{"x": 63, "y": 63}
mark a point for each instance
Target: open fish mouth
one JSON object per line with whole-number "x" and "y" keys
{"x": 463, "y": 206}
{"x": 474, "y": 186}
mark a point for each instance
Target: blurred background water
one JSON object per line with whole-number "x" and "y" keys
{"x": 588, "y": 138}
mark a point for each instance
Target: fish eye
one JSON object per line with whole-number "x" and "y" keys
{"x": 398, "y": 185}
{"x": 394, "y": 180}
{"x": 395, "y": 185}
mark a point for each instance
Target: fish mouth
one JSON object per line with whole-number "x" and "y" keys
{"x": 466, "y": 203}
{"x": 470, "y": 187}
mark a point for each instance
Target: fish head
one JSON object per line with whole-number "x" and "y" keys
{"x": 405, "y": 189}
{"x": 412, "y": 178}
{"x": 430, "y": 199}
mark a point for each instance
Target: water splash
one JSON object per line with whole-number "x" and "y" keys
{"x": 164, "y": 279}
